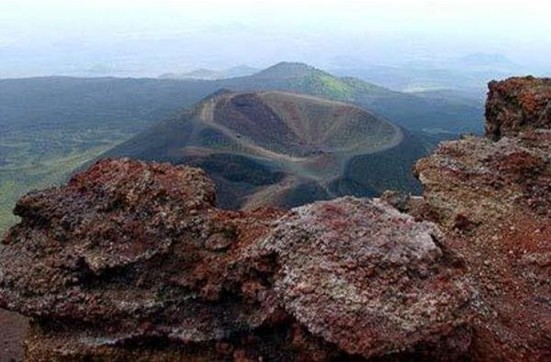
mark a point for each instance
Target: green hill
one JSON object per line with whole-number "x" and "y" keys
{"x": 50, "y": 125}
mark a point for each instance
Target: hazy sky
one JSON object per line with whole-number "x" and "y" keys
{"x": 152, "y": 37}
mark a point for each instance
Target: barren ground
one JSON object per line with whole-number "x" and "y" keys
{"x": 12, "y": 332}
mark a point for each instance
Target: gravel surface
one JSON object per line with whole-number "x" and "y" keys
{"x": 12, "y": 331}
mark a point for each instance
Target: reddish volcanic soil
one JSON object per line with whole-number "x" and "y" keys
{"x": 13, "y": 328}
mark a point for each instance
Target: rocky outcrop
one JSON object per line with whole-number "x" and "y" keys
{"x": 517, "y": 104}
{"x": 370, "y": 279}
{"x": 129, "y": 251}
{"x": 493, "y": 201}
{"x": 136, "y": 254}
{"x": 133, "y": 261}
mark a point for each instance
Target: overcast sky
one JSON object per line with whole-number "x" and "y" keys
{"x": 151, "y": 37}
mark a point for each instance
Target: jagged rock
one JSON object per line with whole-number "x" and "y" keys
{"x": 475, "y": 179}
{"x": 133, "y": 261}
{"x": 135, "y": 254}
{"x": 493, "y": 200}
{"x": 368, "y": 278}
{"x": 397, "y": 199}
{"x": 125, "y": 251}
{"x": 517, "y": 104}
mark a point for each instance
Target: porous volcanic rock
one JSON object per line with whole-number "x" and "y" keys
{"x": 517, "y": 104}
{"x": 493, "y": 201}
{"x": 130, "y": 250}
{"x": 368, "y": 278}
{"x": 132, "y": 260}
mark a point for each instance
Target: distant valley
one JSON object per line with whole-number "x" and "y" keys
{"x": 50, "y": 126}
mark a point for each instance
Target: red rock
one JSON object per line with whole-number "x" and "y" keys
{"x": 518, "y": 104}
{"x": 495, "y": 206}
{"x": 117, "y": 255}
{"x": 133, "y": 261}
{"x": 129, "y": 253}
{"x": 360, "y": 312}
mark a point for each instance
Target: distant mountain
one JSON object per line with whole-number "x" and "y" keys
{"x": 468, "y": 73}
{"x": 287, "y": 70}
{"x": 50, "y": 125}
{"x": 486, "y": 60}
{"x": 280, "y": 148}
{"x": 209, "y": 74}
{"x": 408, "y": 110}
{"x": 137, "y": 102}
{"x": 201, "y": 73}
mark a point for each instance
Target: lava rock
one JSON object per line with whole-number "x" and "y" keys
{"x": 517, "y": 104}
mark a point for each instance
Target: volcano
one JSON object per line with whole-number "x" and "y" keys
{"x": 275, "y": 148}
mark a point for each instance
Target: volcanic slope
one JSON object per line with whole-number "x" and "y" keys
{"x": 273, "y": 147}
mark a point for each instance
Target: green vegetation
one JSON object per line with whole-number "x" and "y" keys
{"x": 413, "y": 111}
{"x": 36, "y": 159}
{"x": 326, "y": 86}
{"x": 50, "y": 126}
